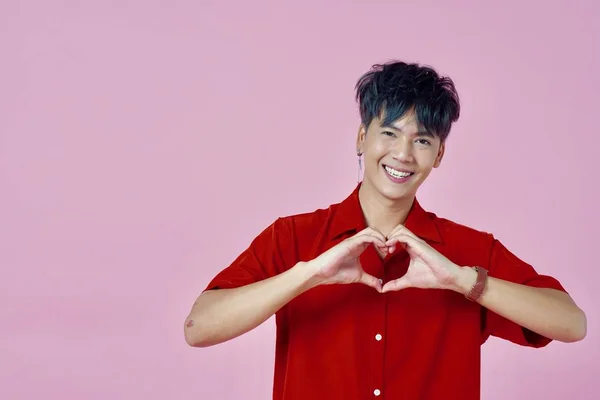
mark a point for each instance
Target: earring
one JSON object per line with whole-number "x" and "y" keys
{"x": 359, "y": 166}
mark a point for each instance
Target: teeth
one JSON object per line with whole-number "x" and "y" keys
{"x": 397, "y": 174}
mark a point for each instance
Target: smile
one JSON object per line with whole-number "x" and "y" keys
{"x": 397, "y": 174}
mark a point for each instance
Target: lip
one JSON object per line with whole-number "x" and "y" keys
{"x": 397, "y": 180}
{"x": 398, "y": 169}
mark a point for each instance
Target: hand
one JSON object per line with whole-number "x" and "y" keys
{"x": 428, "y": 269}
{"x": 341, "y": 263}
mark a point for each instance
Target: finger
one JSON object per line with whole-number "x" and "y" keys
{"x": 384, "y": 248}
{"x": 395, "y": 285}
{"x": 377, "y": 231}
{"x": 404, "y": 238}
{"x": 369, "y": 238}
{"x": 395, "y": 230}
{"x": 412, "y": 246}
{"x": 394, "y": 243}
{"x": 370, "y": 280}
{"x": 373, "y": 232}
{"x": 391, "y": 248}
{"x": 401, "y": 229}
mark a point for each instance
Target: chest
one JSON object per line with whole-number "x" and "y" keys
{"x": 354, "y": 313}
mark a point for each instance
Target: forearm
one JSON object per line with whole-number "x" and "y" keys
{"x": 223, "y": 314}
{"x": 548, "y": 312}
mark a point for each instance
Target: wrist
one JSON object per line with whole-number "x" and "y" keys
{"x": 306, "y": 275}
{"x": 466, "y": 277}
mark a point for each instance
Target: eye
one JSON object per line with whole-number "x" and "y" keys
{"x": 388, "y": 133}
{"x": 424, "y": 141}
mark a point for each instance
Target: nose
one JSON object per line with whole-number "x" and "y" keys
{"x": 403, "y": 150}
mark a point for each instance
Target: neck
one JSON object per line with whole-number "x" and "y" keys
{"x": 382, "y": 213}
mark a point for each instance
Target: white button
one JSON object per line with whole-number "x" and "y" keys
{"x": 376, "y": 392}
{"x": 381, "y": 281}
{"x": 378, "y": 337}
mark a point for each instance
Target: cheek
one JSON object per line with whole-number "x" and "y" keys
{"x": 376, "y": 151}
{"x": 426, "y": 158}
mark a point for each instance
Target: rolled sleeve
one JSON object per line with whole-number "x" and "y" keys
{"x": 505, "y": 265}
{"x": 263, "y": 259}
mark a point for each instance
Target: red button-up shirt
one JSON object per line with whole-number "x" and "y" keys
{"x": 350, "y": 342}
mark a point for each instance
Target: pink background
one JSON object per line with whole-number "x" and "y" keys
{"x": 143, "y": 144}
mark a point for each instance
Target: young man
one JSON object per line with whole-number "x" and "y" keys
{"x": 375, "y": 297}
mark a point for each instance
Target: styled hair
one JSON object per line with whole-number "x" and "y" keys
{"x": 390, "y": 90}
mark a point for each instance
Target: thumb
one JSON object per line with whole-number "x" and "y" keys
{"x": 397, "y": 284}
{"x": 370, "y": 280}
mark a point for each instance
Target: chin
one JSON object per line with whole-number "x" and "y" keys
{"x": 395, "y": 192}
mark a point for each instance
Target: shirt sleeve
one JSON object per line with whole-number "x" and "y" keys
{"x": 505, "y": 265}
{"x": 264, "y": 258}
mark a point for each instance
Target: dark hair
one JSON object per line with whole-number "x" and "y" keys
{"x": 390, "y": 90}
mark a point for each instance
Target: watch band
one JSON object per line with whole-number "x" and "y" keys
{"x": 479, "y": 286}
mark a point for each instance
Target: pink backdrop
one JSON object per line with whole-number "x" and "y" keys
{"x": 143, "y": 144}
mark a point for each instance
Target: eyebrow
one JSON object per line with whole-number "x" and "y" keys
{"x": 420, "y": 132}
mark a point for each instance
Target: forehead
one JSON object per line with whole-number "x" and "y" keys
{"x": 407, "y": 123}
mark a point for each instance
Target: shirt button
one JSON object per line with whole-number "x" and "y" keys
{"x": 376, "y": 392}
{"x": 378, "y": 337}
{"x": 380, "y": 281}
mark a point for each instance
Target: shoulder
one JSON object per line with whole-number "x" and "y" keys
{"x": 456, "y": 234}
{"x": 308, "y": 220}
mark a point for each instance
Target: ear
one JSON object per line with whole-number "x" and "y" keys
{"x": 440, "y": 155}
{"x": 360, "y": 139}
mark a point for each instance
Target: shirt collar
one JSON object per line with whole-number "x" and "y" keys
{"x": 349, "y": 218}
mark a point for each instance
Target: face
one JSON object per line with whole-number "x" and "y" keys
{"x": 398, "y": 158}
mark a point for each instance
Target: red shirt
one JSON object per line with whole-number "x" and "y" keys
{"x": 350, "y": 342}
